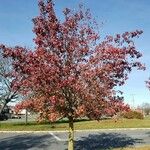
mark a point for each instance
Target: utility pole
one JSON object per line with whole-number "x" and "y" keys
{"x": 133, "y": 106}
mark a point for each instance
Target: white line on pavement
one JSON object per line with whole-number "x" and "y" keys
{"x": 56, "y": 137}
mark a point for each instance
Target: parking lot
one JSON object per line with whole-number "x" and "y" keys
{"x": 85, "y": 140}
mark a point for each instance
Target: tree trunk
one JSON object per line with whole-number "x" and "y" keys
{"x": 71, "y": 134}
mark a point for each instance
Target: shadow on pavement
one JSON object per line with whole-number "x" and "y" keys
{"x": 148, "y": 133}
{"x": 105, "y": 141}
{"x": 25, "y": 141}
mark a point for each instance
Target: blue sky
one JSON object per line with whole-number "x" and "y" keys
{"x": 118, "y": 16}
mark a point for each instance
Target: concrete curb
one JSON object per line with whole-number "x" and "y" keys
{"x": 88, "y": 130}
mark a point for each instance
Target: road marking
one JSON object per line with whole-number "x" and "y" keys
{"x": 57, "y": 138}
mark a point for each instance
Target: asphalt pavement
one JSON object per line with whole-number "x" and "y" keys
{"x": 84, "y": 140}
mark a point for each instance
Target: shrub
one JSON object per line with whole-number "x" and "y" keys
{"x": 132, "y": 115}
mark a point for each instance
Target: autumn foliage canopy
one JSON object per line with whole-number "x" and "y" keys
{"x": 72, "y": 72}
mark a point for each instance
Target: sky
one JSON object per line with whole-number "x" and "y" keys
{"x": 117, "y": 16}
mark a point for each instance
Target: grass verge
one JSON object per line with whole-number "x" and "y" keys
{"x": 80, "y": 125}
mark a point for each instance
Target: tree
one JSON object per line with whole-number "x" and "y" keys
{"x": 7, "y": 94}
{"x": 37, "y": 105}
{"x": 72, "y": 72}
{"x": 146, "y": 108}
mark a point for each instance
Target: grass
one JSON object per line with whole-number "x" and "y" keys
{"x": 134, "y": 148}
{"x": 79, "y": 125}
{"x": 106, "y": 124}
{"x": 147, "y": 117}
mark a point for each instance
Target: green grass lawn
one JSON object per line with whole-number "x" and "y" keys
{"x": 79, "y": 125}
{"x": 147, "y": 117}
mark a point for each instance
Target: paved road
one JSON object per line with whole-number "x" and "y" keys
{"x": 85, "y": 140}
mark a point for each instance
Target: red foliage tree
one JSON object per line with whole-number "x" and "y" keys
{"x": 40, "y": 105}
{"x": 71, "y": 72}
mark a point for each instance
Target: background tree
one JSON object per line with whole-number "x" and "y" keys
{"x": 146, "y": 108}
{"x": 72, "y": 72}
{"x": 7, "y": 94}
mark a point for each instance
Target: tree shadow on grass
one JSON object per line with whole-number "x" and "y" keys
{"x": 25, "y": 141}
{"x": 105, "y": 141}
{"x": 77, "y": 120}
